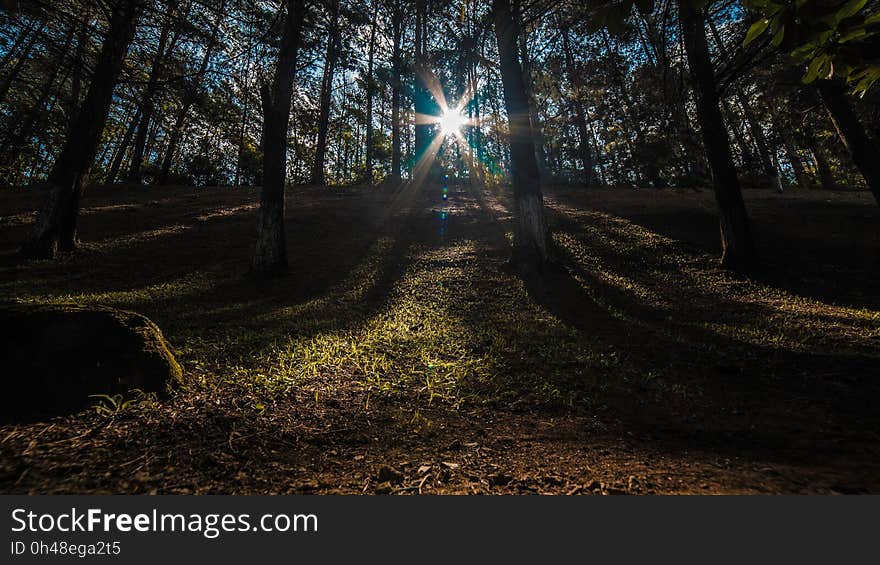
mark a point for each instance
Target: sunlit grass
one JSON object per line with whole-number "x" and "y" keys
{"x": 440, "y": 324}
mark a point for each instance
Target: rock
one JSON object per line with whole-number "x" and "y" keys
{"x": 500, "y": 480}
{"x": 389, "y": 475}
{"x": 384, "y": 488}
{"x": 56, "y": 356}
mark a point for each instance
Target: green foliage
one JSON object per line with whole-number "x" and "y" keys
{"x": 837, "y": 39}
{"x": 111, "y": 406}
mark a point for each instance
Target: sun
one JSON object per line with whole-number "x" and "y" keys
{"x": 451, "y": 121}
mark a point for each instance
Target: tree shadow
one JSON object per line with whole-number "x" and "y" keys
{"x": 817, "y": 244}
{"x": 692, "y": 370}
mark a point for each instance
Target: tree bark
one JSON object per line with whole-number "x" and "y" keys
{"x": 823, "y": 170}
{"x": 368, "y": 142}
{"x": 534, "y": 118}
{"x": 82, "y": 41}
{"x": 189, "y": 100}
{"x": 23, "y": 58}
{"x": 25, "y": 35}
{"x": 24, "y": 128}
{"x": 396, "y": 71}
{"x": 326, "y": 97}
{"x": 149, "y": 100}
{"x": 421, "y": 95}
{"x": 736, "y": 240}
{"x": 531, "y": 237}
{"x": 788, "y": 136}
{"x": 863, "y": 149}
{"x": 119, "y": 154}
{"x": 270, "y": 254}
{"x": 755, "y": 129}
{"x": 580, "y": 115}
{"x": 56, "y": 223}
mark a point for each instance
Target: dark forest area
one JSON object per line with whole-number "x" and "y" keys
{"x": 440, "y": 246}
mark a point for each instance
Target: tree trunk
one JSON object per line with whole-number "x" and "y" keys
{"x": 755, "y": 129}
{"x": 797, "y": 166}
{"x": 82, "y": 41}
{"x": 421, "y": 95}
{"x": 823, "y": 170}
{"x": 23, "y": 58}
{"x": 270, "y": 254}
{"x": 333, "y": 41}
{"x": 633, "y": 134}
{"x": 862, "y": 148}
{"x": 534, "y": 118}
{"x": 149, "y": 100}
{"x": 56, "y": 223}
{"x": 119, "y": 155}
{"x": 736, "y": 239}
{"x": 24, "y": 36}
{"x": 787, "y": 137}
{"x": 580, "y": 115}
{"x": 368, "y": 143}
{"x": 30, "y": 121}
{"x": 189, "y": 100}
{"x": 396, "y": 71}
{"x": 531, "y": 236}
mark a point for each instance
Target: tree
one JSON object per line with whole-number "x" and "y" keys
{"x": 56, "y": 224}
{"x": 531, "y": 235}
{"x": 333, "y": 48}
{"x": 189, "y": 98}
{"x": 863, "y": 149}
{"x": 148, "y": 103}
{"x": 396, "y": 72}
{"x": 736, "y": 238}
{"x": 421, "y": 95}
{"x": 586, "y": 154}
{"x": 370, "y": 81}
{"x": 270, "y": 254}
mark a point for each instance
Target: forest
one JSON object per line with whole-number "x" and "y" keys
{"x": 440, "y": 246}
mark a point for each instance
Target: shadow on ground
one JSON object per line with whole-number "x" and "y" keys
{"x": 399, "y": 338}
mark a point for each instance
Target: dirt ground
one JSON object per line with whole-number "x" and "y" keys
{"x": 400, "y": 355}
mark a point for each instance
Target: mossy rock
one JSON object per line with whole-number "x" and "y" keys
{"x": 57, "y": 356}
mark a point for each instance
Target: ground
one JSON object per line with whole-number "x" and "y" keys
{"x": 401, "y": 355}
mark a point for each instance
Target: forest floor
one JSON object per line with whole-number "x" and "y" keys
{"x": 400, "y": 355}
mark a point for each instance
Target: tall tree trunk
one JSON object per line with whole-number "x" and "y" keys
{"x": 23, "y": 58}
{"x": 748, "y": 160}
{"x": 245, "y": 101}
{"x": 56, "y": 223}
{"x": 148, "y": 103}
{"x": 863, "y": 149}
{"x": 531, "y": 235}
{"x": 25, "y": 36}
{"x": 580, "y": 115}
{"x": 755, "y": 129}
{"x": 79, "y": 62}
{"x": 35, "y": 116}
{"x": 421, "y": 95}
{"x": 736, "y": 238}
{"x": 368, "y": 143}
{"x": 396, "y": 71}
{"x": 119, "y": 154}
{"x": 189, "y": 99}
{"x": 820, "y": 161}
{"x": 534, "y": 118}
{"x": 797, "y": 166}
{"x": 330, "y": 58}
{"x": 270, "y": 254}
{"x": 632, "y": 129}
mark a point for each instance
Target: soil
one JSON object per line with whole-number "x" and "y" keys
{"x": 400, "y": 355}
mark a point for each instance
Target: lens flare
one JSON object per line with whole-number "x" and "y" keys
{"x": 451, "y": 121}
